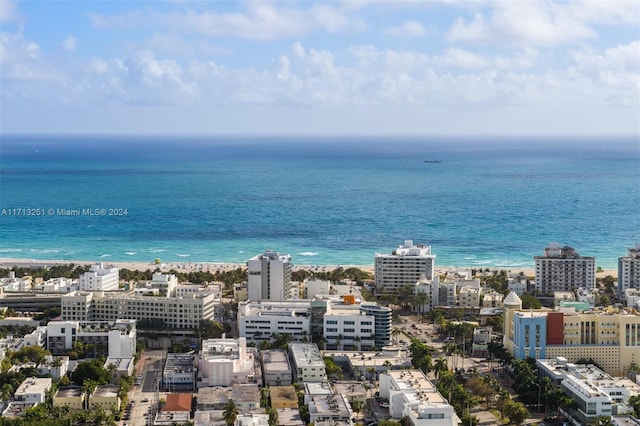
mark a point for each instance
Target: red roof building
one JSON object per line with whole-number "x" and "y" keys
{"x": 178, "y": 402}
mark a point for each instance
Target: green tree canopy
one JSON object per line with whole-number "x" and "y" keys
{"x": 530, "y": 302}
{"x": 90, "y": 370}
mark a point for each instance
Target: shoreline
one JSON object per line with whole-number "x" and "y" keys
{"x": 213, "y": 267}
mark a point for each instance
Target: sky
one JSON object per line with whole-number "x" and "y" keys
{"x": 331, "y": 67}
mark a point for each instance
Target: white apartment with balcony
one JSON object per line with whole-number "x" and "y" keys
{"x": 56, "y": 285}
{"x": 269, "y": 276}
{"x": 517, "y": 285}
{"x": 563, "y": 269}
{"x": 405, "y": 266}
{"x": 469, "y": 297}
{"x": 13, "y": 284}
{"x": 492, "y": 298}
{"x": 412, "y": 395}
{"x": 432, "y": 289}
{"x": 276, "y": 370}
{"x": 115, "y": 339}
{"x": 150, "y": 311}
{"x": 629, "y": 270}
{"x": 307, "y": 363}
{"x": 596, "y": 393}
{"x": 347, "y": 326}
{"x": 99, "y": 278}
{"x": 260, "y": 320}
{"x": 224, "y": 362}
{"x": 333, "y": 409}
{"x": 160, "y": 285}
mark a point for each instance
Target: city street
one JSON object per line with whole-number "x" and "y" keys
{"x": 144, "y": 395}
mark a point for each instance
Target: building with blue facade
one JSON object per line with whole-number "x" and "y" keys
{"x": 530, "y": 334}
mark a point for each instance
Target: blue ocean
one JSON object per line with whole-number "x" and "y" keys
{"x": 478, "y": 202}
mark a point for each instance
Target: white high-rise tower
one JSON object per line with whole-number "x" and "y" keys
{"x": 269, "y": 276}
{"x": 405, "y": 266}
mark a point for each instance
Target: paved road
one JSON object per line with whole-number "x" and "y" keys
{"x": 150, "y": 367}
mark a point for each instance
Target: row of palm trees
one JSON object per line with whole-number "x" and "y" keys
{"x": 406, "y": 298}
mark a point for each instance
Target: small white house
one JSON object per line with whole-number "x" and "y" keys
{"x": 33, "y": 390}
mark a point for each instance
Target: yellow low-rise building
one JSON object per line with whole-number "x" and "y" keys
{"x": 73, "y": 397}
{"x": 107, "y": 397}
{"x": 609, "y": 337}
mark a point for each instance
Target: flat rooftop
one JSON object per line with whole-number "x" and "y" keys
{"x": 317, "y": 388}
{"x": 274, "y": 361}
{"x": 179, "y": 363}
{"x": 245, "y": 393}
{"x": 69, "y": 393}
{"x": 106, "y": 391}
{"x": 416, "y": 386}
{"x": 213, "y": 396}
{"x": 306, "y": 354}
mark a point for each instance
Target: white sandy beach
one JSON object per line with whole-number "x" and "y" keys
{"x": 218, "y": 267}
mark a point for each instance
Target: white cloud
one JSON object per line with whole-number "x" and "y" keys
{"x": 179, "y": 45}
{"x": 298, "y": 50}
{"x": 284, "y": 68}
{"x": 69, "y": 43}
{"x": 253, "y": 21}
{"x": 9, "y": 11}
{"x": 407, "y": 29}
{"x": 462, "y": 58}
{"x": 616, "y": 69}
{"x": 542, "y": 23}
{"x": 369, "y": 58}
{"x": 20, "y": 58}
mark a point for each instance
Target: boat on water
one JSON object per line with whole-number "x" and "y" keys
{"x": 433, "y": 161}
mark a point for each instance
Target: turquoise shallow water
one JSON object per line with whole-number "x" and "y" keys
{"x": 323, "y": 200}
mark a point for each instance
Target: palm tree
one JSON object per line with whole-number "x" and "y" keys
{"x": 371, "y": 372}
{"x": 600, "y": 421}
{"x": 6, "y": 391}
{"x": 440, "y": 365}
{"x": 356, "y": 406}
{"x": 230, "y": 413}
{"x": 112, "y": 369}
{"x": 395, "y": 332}
{"x": 423, "y": 299}
{"x": 273, "y": 416}
{"x": 56, "y": 364}
{"x": 88, "y": 386}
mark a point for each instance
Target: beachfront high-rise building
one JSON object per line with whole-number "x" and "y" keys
{"x": 405, "y": 266}
{"x": 629, "y": 270}
{"x": 269, "y": 276}
{"x": 563, "y": 269}
{"x": 99, "y": 278}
